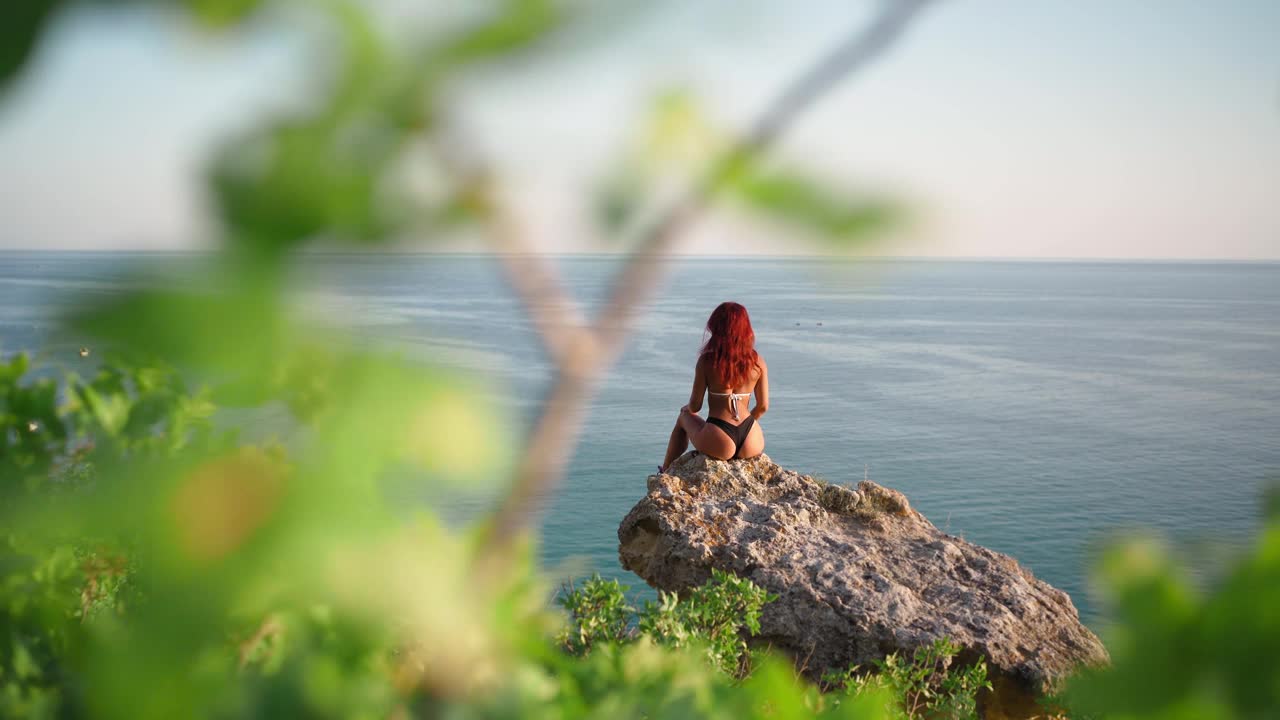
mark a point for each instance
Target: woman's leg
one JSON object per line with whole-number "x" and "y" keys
{"x": 688, "y": 424}
{"x": 676, "y": 445}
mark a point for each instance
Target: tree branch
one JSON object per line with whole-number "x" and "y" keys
{"x": 558, "y": 320}
{"x": 551, "y": 443}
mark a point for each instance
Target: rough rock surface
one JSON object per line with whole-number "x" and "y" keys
{"x": 859, "y": 573}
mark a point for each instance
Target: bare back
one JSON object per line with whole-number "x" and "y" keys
{"x": 725, "y": 433}
{"x": 720, "y": 395}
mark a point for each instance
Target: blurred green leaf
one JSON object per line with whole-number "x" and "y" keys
{"x": 325, "y": 172}
{"x": 15, "y": 368}
{"x": 810, "y": 206}
{"x": 1271, "y": 500}
{"x": 307, "y": 178}
{"x": 1177, "y": 654}
{"x": 21, "y": 23}
{"x": 515, "y": 25}
{"x": 1152, "y": 642}
{"x": 1241, "y": 630}
{"x": 110, "y": 410}
{"x": 222, "y": 13}
{"x": 678, "y": 144}
{"x": 237, "y": 330}
{"x": 618, "y": 199}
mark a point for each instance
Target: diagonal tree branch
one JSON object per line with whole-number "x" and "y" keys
{"x": 549, "y": 446}
{"x": 558, "y": 320}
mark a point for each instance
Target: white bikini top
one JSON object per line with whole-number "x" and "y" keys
{"x": 733, "y": 400}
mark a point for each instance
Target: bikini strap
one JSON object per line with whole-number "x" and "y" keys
{"x": 733, "y": 400}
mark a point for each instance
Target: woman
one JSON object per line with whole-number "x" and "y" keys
{"x": 729, "y": 371}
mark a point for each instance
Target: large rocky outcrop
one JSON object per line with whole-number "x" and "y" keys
{"x": 859, "y": 574}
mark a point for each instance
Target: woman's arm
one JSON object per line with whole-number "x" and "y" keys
{"x": 762, "y": 392}
{"x": 699, "y": 387}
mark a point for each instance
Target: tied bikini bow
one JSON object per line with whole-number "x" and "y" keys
{"x": 733, "y": 400}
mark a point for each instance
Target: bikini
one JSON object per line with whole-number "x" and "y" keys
{"x": 737, "y": 433}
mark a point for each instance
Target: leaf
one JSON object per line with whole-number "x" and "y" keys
{"x": 147, "y": 412}
{"x": 517, "y": 25}
{"x": 13, "y": 370}
{"x": 24, "y": 665}
{"x": 21, "y": 24}
{"x": 304, "y": 178}
{"x": 110, "y": 411}
{"x": 222, "y": 13}
{"x": 233, "y": 331}
{"x": 326, "y": 172}
{"x": 806, "y": 204}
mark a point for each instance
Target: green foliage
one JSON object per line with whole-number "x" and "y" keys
{"x": 221, "y": 13}
{"x": 20, "y": 26}
{"x": 153, "y": 543}
{"x": 801, "y": 202}
{"x": 717, "y": 616}
{"x": 927, "y": 685}
{"x": 718, "y": 613}
{"x": 39, "y": 589}
{"x": 598, "y": 613}
{"x": 716, "y": 619}
{"x": 515, "y": 25}
{"x": 55, "y": 428}
{"x": 679, "y": 146}
{"x": 22, "y": 23}
{"x": 1179, "y": 653}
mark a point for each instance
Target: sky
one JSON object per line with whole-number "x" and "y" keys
{"x": 1036, "y": 128}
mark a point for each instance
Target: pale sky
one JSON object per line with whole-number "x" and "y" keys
{"x": 1013, "y": 128}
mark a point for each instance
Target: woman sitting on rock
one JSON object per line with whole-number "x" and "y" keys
{"x": 729, "y": 370}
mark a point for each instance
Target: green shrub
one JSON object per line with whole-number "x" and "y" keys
{"x": 719, "y": 616}
{"x": 927, "y": 685}
{"x": 598, "y": 613}
{"x": 720, "y": 613}
{"x": 1178, "y": 652}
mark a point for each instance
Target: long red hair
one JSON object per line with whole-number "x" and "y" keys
{"x": 730, "y": 347}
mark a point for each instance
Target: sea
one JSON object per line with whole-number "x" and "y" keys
{"x": 1044, "y": 409}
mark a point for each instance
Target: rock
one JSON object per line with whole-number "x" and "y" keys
{"x": 859, "y": 573}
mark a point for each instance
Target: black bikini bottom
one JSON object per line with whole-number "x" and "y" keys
{"x": 737, "y": 433}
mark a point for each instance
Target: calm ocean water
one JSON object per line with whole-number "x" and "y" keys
{"x": 1035, "y": 408}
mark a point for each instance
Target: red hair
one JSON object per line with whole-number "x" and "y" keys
{"x": 730, "y": 347}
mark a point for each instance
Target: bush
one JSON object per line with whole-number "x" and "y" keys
{"x": 721, "y": 613}
{"x": 718, "y": 615}
{"x": 1178, "y": 652}
{"x": 598, "y": 613}
{"x": 927, "y": 685}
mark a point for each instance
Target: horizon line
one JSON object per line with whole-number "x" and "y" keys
{"x": 676, "y": 256}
